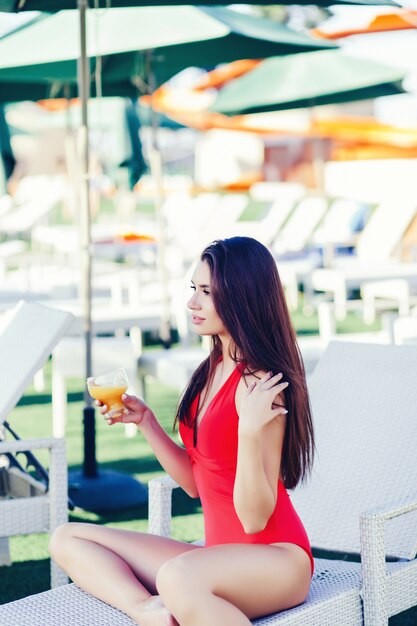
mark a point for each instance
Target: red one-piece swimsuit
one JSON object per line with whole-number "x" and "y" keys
{"x": 214, "y": 459}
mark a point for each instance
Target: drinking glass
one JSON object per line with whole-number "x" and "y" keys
{"x": 109, "y": 388}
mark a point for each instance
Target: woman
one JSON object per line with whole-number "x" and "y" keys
{"x": 246, "y": 425}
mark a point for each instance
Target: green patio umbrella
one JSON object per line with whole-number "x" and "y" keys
{"x": 323, "y": 77}
{"x": 51, "y": 5}
{"x": 40, "y": 60}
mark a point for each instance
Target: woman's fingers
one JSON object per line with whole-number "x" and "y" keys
{"x": 279, "y": 411}
{"x": 267, "y": 383}
{"x": 102, "y": 407}
{"x": 278, "y": 388}
{"x": 105, "y": 412}
{"x": 272, "y": 382}
{"x": 130, "y": 401}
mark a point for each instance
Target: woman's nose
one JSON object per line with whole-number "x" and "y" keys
{"x": 193, "y": 303}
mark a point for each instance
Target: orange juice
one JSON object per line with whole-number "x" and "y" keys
{"x": 111, "y": 395}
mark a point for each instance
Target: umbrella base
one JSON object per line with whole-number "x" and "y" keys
{"x": 108, "y": 491}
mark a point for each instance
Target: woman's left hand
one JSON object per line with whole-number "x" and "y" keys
{"x": 257, "y": 407}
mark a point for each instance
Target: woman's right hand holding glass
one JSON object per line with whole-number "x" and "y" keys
{"x": 137, "y": 412}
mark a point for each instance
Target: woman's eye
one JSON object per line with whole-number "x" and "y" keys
{"x": 192, "y": 287}
{"x": 206, "y": 292}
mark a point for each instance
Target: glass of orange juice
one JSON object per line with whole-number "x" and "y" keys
{"x": 109, "y": 388}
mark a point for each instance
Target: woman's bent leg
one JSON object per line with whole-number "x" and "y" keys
{"x": 232, "y": 584}
{"x": 116, "y": 566}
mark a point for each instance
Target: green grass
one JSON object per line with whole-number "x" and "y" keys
{"x": 308, "y": 325}
{"x": 29, "y": 572}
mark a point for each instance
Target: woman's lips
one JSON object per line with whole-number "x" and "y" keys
{"x": 197, "y": 320}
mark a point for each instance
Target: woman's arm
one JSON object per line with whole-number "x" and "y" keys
{"x": 261, "y": 436}
{"x": 173, "y": 457}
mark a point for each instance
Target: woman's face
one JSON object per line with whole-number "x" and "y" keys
{"x": 204, "y": 318}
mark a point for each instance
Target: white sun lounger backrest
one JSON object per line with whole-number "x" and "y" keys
{"x": 176, "y": 210}
{"x": 340, "y": 221}
{"x": 301, "y": 224}
{"x": 364, "y": 402}
{"x": 382, "y": 235}
{"x": 6, "y": 203}
{"x": 280, "y": 210}
{"x": 194, "y": 216}
{"x": 224, "y": 216}
{"x": 28, "y": 334}
{"x": 35, "y": 198}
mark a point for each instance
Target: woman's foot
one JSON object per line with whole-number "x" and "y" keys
{"x": 152, "y": 612}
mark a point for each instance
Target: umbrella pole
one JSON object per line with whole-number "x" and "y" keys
{"x": 90, "y": 463}
{"x": 90, "y": 489}
{"x": 155, "y": 159}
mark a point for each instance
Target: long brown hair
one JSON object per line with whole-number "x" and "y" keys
{"x": 249, "y": 299}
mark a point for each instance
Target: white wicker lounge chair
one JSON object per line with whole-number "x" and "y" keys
{"x": 334, "y": 601}
{"x": 364, "y": 400}
{"x": 28, "y": 335}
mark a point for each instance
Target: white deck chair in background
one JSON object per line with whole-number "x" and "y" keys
{"x": 182, "y": 210}
{"x": 10, "y": 252}
{"x": 295, "y": 261}
{"x": 398, "y": 293}
{"x": 341, "y": 224}
{"x": 224, "y": 217}
{"x": 269, "y": 191}
{"x": 6, "y": 203}
{"x": 188, "y": 221}
{"x": 28, "y": 334}
{"x": 376, "y": 254}
{"x": 35, "y": 197}
{"x": 299, "y": 228}
{"x": 404, "y": 329}
{"x": 281, "y": 203}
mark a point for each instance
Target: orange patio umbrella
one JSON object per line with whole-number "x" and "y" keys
{"x": 401, "y": 19}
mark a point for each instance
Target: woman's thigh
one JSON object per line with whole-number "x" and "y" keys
{"x": 143, "y": 552}
{"x": 258, "y": 579}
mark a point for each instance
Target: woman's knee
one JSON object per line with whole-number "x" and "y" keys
{"x": 173, "y": 576}
{"x": 177, "y": 585}
{"x": 165, "y": 578}
{"x": 60, "y": 539}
